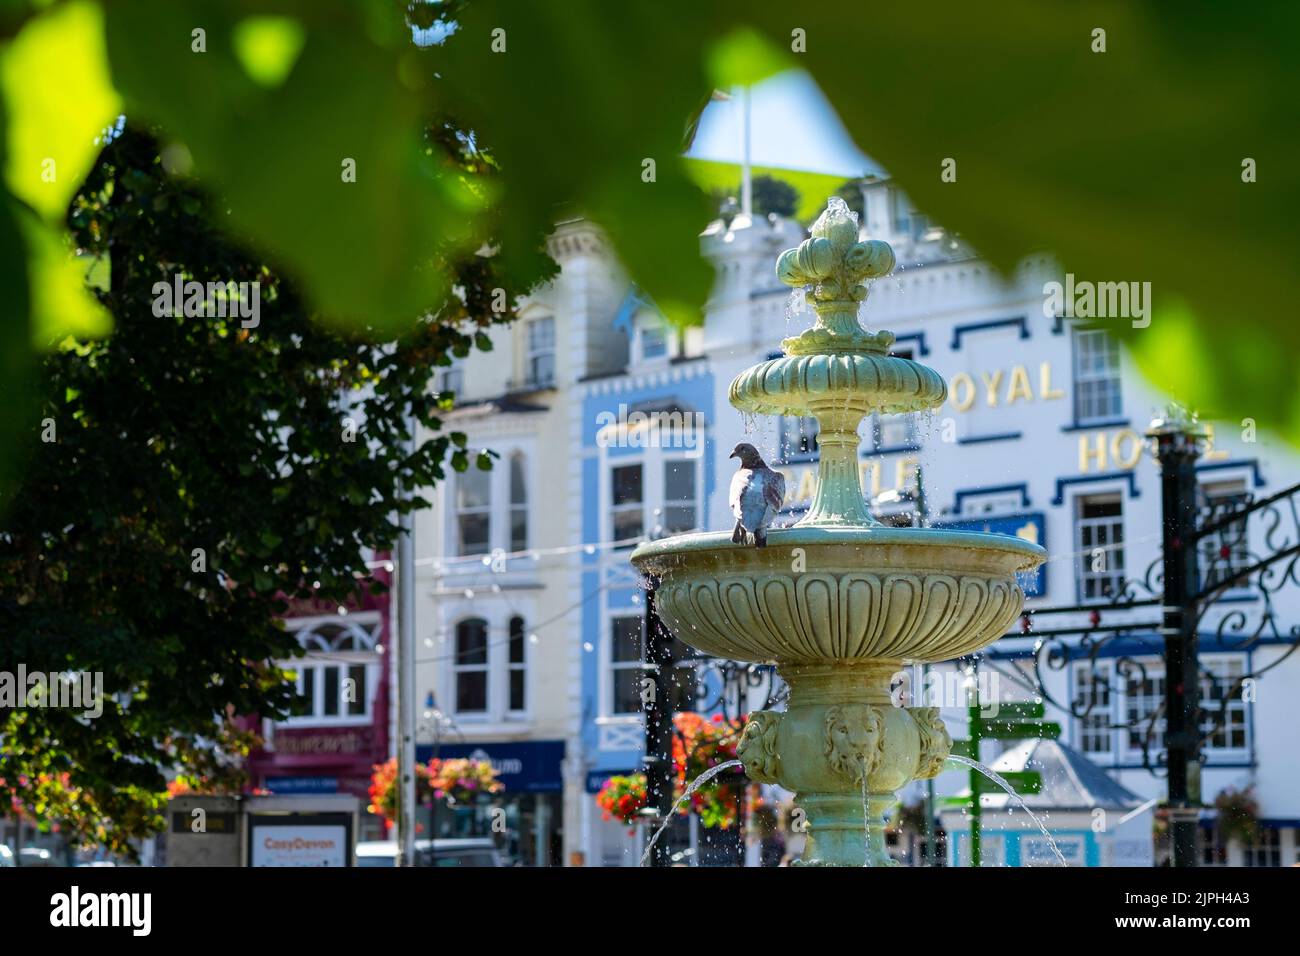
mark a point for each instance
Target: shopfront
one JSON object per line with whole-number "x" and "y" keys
{"x": 526, "y": 818}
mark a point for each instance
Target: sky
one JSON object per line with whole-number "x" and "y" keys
{"x": 793, "y": 126}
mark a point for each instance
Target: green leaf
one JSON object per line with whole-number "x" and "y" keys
{"x": 61, "y": 302}
{"x": 744, "y": 57}
{"x": 283, "y": 157}
{"x": 582, "y": 141}
{"x": 1126, "y": 163}
{"x": 56, "y": 84}
{"x": 268, "y": 47}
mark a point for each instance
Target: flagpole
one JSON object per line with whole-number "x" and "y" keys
{"x": 746, "y": 174}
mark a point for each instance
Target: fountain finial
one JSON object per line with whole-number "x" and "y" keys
{"x": 834, "y": 265}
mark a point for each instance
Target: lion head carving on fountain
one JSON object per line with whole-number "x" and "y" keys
{"x": 757, "y": 747}
{"x": 936, "y": 744}
{"x": 855, "y": 740}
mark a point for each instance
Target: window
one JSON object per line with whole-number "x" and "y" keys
{"x": 473, "y": 504}
{"x": 627, "y": 519}
{"x": 518, "y": 665}
{"x": 1099, "y": 538}
{"x": 518, "y": 504}
{"x": 334, "y": 679}
{"x": 798, "y": 436}
{"x": 1224, "y": 553}
{"x": 679, "y": 496}
{"x": 1213, "y": 850}
{"x": 1096, "y": 376}
{"x": 1266, "y": 850}
{"x": 625, "y": 665}
{"x": 471, "y": 666}
{"x": 1220, "y": 683}
{"x": 1139, "y": 694}
{"x": 1143, "y": 696}
{"x": 451, "y": 380}
{"x": 1092, "y": 695}
{"x": 893, "y": 431}
{"x": 907, "y": 221}
{"x": 541, "y": 352}
{"x": 654, "y": 341}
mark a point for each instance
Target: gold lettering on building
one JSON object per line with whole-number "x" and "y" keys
{"x": 1045, "y": 390}
{"x": 807, "y": 486}
{"x": 1018, "y": 387}
{"x": 1092, "y": 447}
{"x": 904, "y": 472}
{"x": 991, "y": 383}
{"x": 962, "y": 380}
{"x": 1123, "y": 448}
{"x": 962, "y": 389}
{"x": 1128, "y": 460}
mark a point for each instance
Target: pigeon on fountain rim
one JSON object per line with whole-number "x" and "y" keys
{"x": 757, "y": 494}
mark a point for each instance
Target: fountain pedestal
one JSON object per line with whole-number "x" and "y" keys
{"x": 839, "y": 602}
{"x": 844, "y": 748}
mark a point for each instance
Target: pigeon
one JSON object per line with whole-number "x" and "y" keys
{"x": 757, "y": 493}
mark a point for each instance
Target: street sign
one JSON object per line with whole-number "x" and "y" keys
{"x": 1019, "y": 730}
{"x": 1022, "y": 781}
{"x": 1019, "y": 720}
{"x": 1021, "y": 710}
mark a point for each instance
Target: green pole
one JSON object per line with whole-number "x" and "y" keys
{"x": 931, "y": 851}
{"x": 976, "y": 731}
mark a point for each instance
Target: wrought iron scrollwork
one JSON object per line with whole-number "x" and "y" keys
{"x": 1235, "y": 600}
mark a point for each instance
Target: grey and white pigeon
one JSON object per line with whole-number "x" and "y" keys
{"x": 757, "y": 493}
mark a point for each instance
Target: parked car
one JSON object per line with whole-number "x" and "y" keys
{"x": 35, "y": 856}
{"x": 6, "y": 857}
{"x": 473, "y": 851}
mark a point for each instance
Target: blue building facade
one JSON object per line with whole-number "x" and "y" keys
{"x": 646, "y": 471}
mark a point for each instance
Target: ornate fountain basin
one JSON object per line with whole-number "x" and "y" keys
{"x": 816, "y": 595}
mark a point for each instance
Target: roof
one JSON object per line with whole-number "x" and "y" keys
{"x": 503, "y": 404}
{"x": 1071, "y": 781}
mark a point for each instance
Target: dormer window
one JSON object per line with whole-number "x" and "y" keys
{"x": 540, "y": 371}
{"x": 654, "y": 341}
{"x": 450, "y": 379}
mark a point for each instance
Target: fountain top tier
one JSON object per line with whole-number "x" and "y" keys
{"x": 837, "y": 364}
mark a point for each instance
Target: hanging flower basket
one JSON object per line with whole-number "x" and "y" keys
{"x": 699, "y": 744}
{"x": 460, "y": 780}
{"x": 622, "y": 797}
{"x": 457, "y": 780}
{"x": 1238, "y": 816}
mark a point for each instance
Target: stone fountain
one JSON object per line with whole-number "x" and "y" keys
{"x": 838, "y": 601}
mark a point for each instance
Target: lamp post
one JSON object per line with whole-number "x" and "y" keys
{"x": 405, "y": 660}
{"x": 1176, "y": 439}
{"x": 658, "y": 709}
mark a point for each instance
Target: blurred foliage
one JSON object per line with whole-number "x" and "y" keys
{"x": 810, "y": 189}
{"x": 1126, "y": 163}
{"x": 204, "y": 472}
